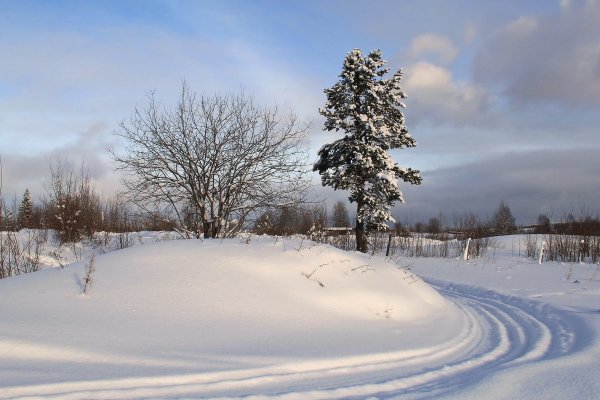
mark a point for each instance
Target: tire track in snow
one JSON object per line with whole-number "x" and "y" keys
{"x": 499, "y": 332}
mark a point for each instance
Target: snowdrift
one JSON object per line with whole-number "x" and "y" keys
{"x": 194, "y": 306}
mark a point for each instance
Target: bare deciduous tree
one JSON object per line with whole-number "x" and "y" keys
{"x": 340, "y": 216}
{"x": 434, "y": 225}
{"x": 543, "y": 224}
{"x": 291, "y": 219}
{"x": 212, "y": 161}
{"x": 503, "y": 221}
{"x": 468, "y": 225}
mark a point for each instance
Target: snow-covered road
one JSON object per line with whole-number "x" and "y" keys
{"x": 498, "y": 332}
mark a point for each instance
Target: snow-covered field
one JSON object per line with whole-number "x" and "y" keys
{"x": 287, "y": 318}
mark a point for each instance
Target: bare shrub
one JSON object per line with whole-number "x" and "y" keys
{"x": 20, "y": 252}
{"x": 416, "y": 246}
{"x": 572, "y": 248}
{"x": 124, "y": 240}
{"x": 88, "y": 279}
{"x": 292, "y": 219}
{"x": 594, "y": 249}
{"x": 479, "y": 247}
{"x": 73, "y": 204}
{"x": 531, "y": 245}
{"x": 117, "y": 216}
{"x": 467, "y": 225}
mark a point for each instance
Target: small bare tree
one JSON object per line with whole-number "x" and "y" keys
{"x": 340, "y": 217}
{"x": 468, "y": 225}
{"x": 503, "y": 221}
{"x": 74, "y": 206}
{"x": 212, "y": 161}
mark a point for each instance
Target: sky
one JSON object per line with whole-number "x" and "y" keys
{"x": 503, "y": 97}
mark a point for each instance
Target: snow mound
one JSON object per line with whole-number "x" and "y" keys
{"x": 199, "y": 306}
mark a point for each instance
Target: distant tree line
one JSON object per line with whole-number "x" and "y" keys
{"x": 214, "y": 165}
{"x": 210, "y": 166}
{"x": 74, "y": 209}
{"x": 502, "y": 222}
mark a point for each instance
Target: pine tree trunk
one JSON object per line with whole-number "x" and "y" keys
{"x": 206, "y": 229}
{"x": 361, "y": 238}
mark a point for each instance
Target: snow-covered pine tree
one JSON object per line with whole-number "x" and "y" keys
{"x": 25, "y": 211}
{"x": 368, "y": 109}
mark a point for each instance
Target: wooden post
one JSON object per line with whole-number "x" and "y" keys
{"x": 387, "y": 252}
{"x": 466, "y": 254}
{"x": 542, "y": 248}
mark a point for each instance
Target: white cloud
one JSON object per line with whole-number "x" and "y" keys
{"x": 435, "y": 96}
{"x": 88, "y": 147}
{"x": 430, "y": 44}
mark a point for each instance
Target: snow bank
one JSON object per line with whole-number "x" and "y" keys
{"x": 193, "y": 306}
{"x": 293, "y": 319}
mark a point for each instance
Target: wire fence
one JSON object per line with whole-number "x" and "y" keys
{"x": 413, "y": 246}
{"x": 565, "y": 248}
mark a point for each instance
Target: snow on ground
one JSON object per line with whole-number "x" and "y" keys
{"x": 563, "y": 297}
{"x": 287, "y": 318}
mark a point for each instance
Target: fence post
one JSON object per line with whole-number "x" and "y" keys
{"x": 466, "y": 254}
{"x": 542, "y": 248}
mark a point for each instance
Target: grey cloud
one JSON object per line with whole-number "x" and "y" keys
{"x": 32, "y": 170}
{"x": 551, "y": 182}
{"x": 552, "y": 58}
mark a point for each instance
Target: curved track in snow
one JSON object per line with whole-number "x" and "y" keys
{"x": 498, "y": 332}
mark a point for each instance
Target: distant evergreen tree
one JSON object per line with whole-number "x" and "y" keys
{"x": 25, "y": 211}
{"x": 367, "y": 108}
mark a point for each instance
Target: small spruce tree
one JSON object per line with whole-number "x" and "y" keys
{"x": 368, "y": 109}
{"x": 25, "y": 211}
